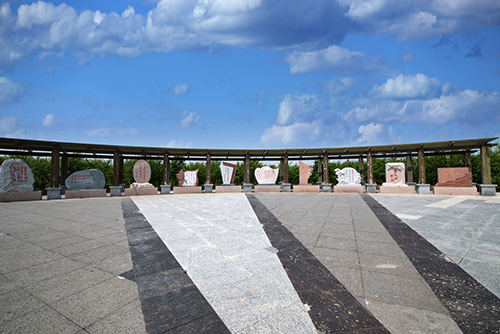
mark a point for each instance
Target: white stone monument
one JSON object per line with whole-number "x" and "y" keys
{"x": 394, "y": 175}
{"x": 266, "y": 175}
{"x": 395, "y": 180}
{"x": 141, "y": 186}
{"x": 348, "y": 181}
{"x": 348, "y": 177}
{"x": 228, "y": 172}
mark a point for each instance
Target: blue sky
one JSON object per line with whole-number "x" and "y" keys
{"x": 250, "y": 73}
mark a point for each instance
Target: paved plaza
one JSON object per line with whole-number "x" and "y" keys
{"x": 251, "y": 263}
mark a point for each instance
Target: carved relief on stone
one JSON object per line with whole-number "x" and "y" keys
{"x": 305, "y": 172}
{"x": 348, "y": 177}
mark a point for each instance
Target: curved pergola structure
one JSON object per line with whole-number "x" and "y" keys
{"x": 60, "y": 151}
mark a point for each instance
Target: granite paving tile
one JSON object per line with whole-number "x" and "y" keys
{"x": 126, "y": 320}
{"x": 42, "y": 321}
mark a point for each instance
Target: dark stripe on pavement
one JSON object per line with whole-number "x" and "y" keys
{"x": 332, "y": 308}
{"x": 170, "y": 301}
{"x": 473, "y": 307}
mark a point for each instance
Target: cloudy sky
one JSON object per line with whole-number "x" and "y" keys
{"x": 250, "y": 73}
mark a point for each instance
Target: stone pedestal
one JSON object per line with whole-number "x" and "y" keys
{"x": 141, "y": 191}
{"x": 371, "y": 188}
{"x": 414, "y": 185}
{"x": 228, "y": 189}
{"x": 21, "y": 196}
{"x": 348, "y": 189}
{"x": 306, "y": 188}
{"x": 247, "y": 187}
{"x": 187, "y": 190}
{"x": 286, "y": 187}
{"x": 455, "y": 191}
{"x": 53, "y": 193}
{"x": 326, "y": 188}
{"x": 115, "y": 191}
{"x": 85, "y": 193}
{"x": 165, "y": 189}
{"x": 424, "y": 189}
{"x": 397, "y": 190}
{"x": 487, "y": 189}
{"x": 267, "y": 189}
{"x": 209, "y": 188}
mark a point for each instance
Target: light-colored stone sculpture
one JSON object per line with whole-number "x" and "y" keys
{"x": 305, "y": 172}
{"x": 228, "y": 172}
{"x": 16, "y": 176}
{"x": 348, "y": 177}
{"x": 86, "y": 179}
{"x": 395, "y": 175}
{"x": 142, "y": 174}
{"x": 266, "y": 175}
{"x": 187, "y": 178}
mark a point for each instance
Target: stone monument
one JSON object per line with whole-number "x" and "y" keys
{"x": 228, "y": 173}
{"x": 16, "y": 181}
{"x": 85, "y": 184}
{"x": 16, "y": 176}
{"x": 395, "y": 180}
{"x": 266, "y": 178}
{"x": 349, "y": 181}
{"x": 454, "y": 181}
{"x": 188, "y": 182}
{"x": 141, "y": 186}
{"x": 187, "y": 178}
{"x": 305, "y": 171}
{"x": 86, "y": 179}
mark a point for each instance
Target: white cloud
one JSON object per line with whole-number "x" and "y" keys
{"x": 180, "y": 89}
{"x": 107, "y": 132}
{"x": 292, "y": 134}
{"x": 336, "y": 59}
{"x": 10, "y": 92}
{"x": 408, "y": 58}
{"x": 43, "y": 27}
{"x": 294, "y": 107}
{"x": 190, "y": 119}
{"x": 49, "y": 120}
{"x": 174, "y": 143}
{"x": 339, "y": 86}
{"x": 408, "y": 87}
{"x": 375, "y": 134}
{"x": 8, "y": 124}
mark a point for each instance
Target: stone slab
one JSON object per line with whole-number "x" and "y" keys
{"x": 397, "y": 190}
{"x": 467, "y": 191}
{"x": 247, "y": 187}
{"x": 348, "y": 189}
{"x": 423, "y": 189}
{"x": 24, "y": 196}
{"x": 209, "y": 188}
{"x": 326, "y": 187}
{"x": 141, "y": 191}
{"x": 187, "y": 190}
{"x": 267, "y": 189}
{"x": 115, "y": 191}
{"x": 451, "y": 173}
{"x": 85, "y": 193}
{"x": 487, "y": 189}
{"x": 286, "y": 187}
{"x": 53, "y": 193}
{"x": 371, "y": 188}
{"x": 227, "y": 189}
{"x": 165, "y": 189}
{"x": 306, "y": 188}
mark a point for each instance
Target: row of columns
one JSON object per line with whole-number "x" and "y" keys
{"x": 323, "y": 171}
